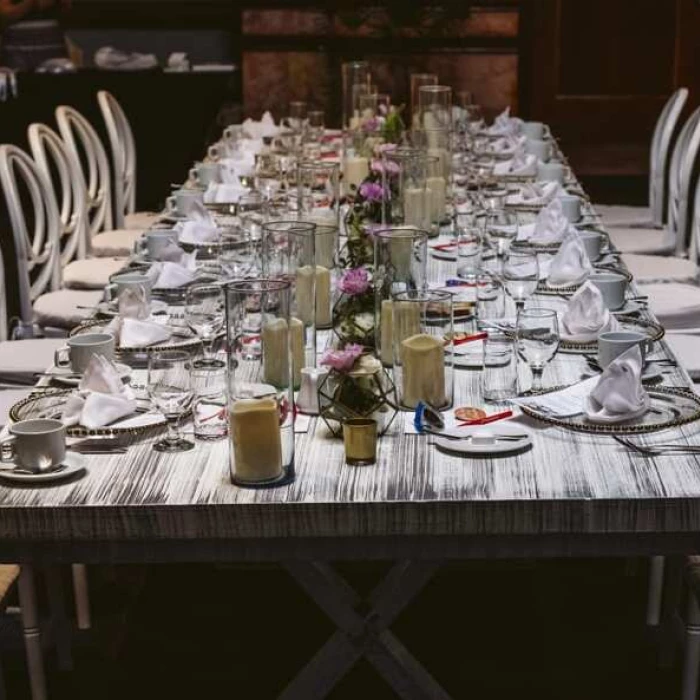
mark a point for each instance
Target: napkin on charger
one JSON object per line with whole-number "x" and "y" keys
{"x": 504, "y": 124}
{"x": 200, "y": 226}
{"x": 550, "y": 226}
{"x": 619, "y": 394}
{"x": 137, "y": 333}
{"x": 102, "y": 397}
{"x": 265, "y": 128}
{"x": 132, "y": 303}
{"x": 508, "y": 145}
{"x": 571, "y": 265}
{"x": 520, "y": 164}
{"x": 586, "y": 315}
{"x": 171, "y": 275}
{"x": 230, "y": 189}
{"x": 537, "y": 194}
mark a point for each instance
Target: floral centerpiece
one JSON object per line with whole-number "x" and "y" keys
{"x": 357, "y": 386}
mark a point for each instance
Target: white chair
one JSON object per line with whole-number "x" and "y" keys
{"x": 71, "y": 192}
{"x": 84, "y": 144}
{"x": 123, "y": 146}
{"x": 654, "y": 215}
{"x": 42, "y": 302}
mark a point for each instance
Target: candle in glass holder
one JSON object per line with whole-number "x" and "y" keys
{"x": 436, "y": 196}
{"x": 414, "y": 206}
{"x": 257, "y": 439}
{"x": 355, "y": 171}
{"x": 275, "y": 341}
{"x": 423, "y": 370}
{"x": 386, "y": 340}
{"x": 403, "y": 321}
{"x": 310, "y": 287}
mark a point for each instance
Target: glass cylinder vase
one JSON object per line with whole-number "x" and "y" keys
{"x": 434, "y": 107}
{"x": 263, "y": 344}
{"x": 318, "y": 192}
{"x": 423, "y": 365}
{"x": 352, "y": 73}
{"x": 419, "y": 80}
{"x": 405, "y": 172}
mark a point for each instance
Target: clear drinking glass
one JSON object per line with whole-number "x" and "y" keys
{"x": 435, "y": 107}
{"x": 352, "y": 73}
{"x": 210, "y": 410}
{"x": 521, "y": 275}
{"x": 499, "y": 377}
{"x": 297, "y": 115}
{"x": 204, "y": 314}
{"x": 469, "y": 242}
{"x": 265, "y": 351}
{"x": 422, "y": 327}
{"x": 538, "y": 340}
{"x": 317, "y": 124}
{"x": 171, "y": 392}
{"x": 501, "y": 229}
{"x": 418, "y": 80}
{"x": 490, "y": 300}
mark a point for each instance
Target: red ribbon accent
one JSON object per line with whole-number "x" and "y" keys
{"x": 489, "y": 419}
{"x": 471, "y": 338}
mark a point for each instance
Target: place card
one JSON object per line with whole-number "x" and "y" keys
{"x": 563, "y": 403}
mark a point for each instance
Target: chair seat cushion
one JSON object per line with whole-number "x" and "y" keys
{"x": 676, "y": 306}
{"x": 141, "y": 219}
{"x": 655, "y": 268}
{"x": 20, "y": 360}
{"x": 624, "y": 215}
{"x": 641, "y": 240}
{"x": 115, "y": 244}
{"x": 687, "y": 349}
{"x": 91, "y": 273}
{"x": 9, "y": 573}
{"x": 60, "y": 309}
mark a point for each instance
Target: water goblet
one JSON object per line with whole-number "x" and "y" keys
{"x": 204, "y": 314}
{"x": 521, "y": 274}
{"x": 538, "y": 340}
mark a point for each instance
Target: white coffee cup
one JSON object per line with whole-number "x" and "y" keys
{"x": 80, "y": 348}
{"x": 612, "y": 344}
{"x": 612, "y": 286}
{"x": 130, "y": 279}
{"x": 534, "y": 130}
{"x": 204, "y": 174}
{"x": 551, "y": 172}
{"x": 539, "y": 148}
{"x": 38, "y": 444}
{"x": 157, "y": 240}
{"x": 180, "y": 203}
{"x": 571, "y": 207}
{"x": 592, "y": 242}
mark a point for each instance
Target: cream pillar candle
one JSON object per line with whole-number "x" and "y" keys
{"x": 275, "y": 343}
{"x": 414, "y": 207}
{"x": 401, "y": 254}
{"x": 386, "y": 337}
{"x": 423, "y": 370}
{"x": 298, "y": 350}
{"x": 310, "y": 287}
{"x": 326, "y": 243}
{"x": 402, "y": 321}
{"x": 257, "y": 439}
{"x": 355, "y": 170}
{"x": 323, "y": 297}
{"x": 443, "y": 165}
{"x": 436, "y": 198}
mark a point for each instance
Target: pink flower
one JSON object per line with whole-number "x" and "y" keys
{"x": 372, "y": 191}
{"x": 391, "y": 166}
{"x": 354, "y": 282}
{"x": 342, "y": 360}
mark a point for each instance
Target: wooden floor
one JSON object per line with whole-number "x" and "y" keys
{"x": 564, "y": 631}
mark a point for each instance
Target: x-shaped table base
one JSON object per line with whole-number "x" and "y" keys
{"x": 363, "y": 632}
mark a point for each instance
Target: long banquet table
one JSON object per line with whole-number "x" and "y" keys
{"x": 571, "y": 494}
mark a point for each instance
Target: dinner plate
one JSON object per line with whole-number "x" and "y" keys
{"x": 466, "y": 446}
{"x": 110, "y": 308}
{"x": 615, "y": 420}
{"x": 444, "y": 254}
{"x": 64, "y": 375}
{"x": 73, "y": 464}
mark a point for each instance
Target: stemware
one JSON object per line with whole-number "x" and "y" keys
{"x": 538, "y": 340}
{"x": 521, "y": 274}
{"x": 501, "y": 229}
{"x": 204, "y": 314}
{"x": 469, "y": 241}
{"x": 170, "y": 390}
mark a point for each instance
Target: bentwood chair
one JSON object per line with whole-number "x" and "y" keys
{"x": 664, "y": 248}
{"x": 654, "y": 215}
{"x": 85, "y": 146}
{"x": 70, "y": 190}
{"x": 123, "y": 147}
{"x": 43, "y": 305}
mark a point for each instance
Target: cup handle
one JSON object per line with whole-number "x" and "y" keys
{"x": 214, "y": 152}
{"x": 58, "y": 360}
{"x": 7, "y": 449}
{"x": 192, "y": 177}
{"x": 170, "y": 204}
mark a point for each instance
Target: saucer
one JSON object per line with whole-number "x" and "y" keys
{"x": 65, "y": 376}
{"x": 631, "y": 307}
{"x": 499, "y": 447}
{"x": 72, "y": 465}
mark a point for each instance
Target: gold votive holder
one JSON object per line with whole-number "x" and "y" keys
{"x": 360, "y": 438}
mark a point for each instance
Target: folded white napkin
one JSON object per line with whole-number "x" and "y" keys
{"x": 509, "y": 144}
{"x": 170, "y": 275}
{"x": 264, "y": 128}
{"x": 550, "y": 226}
{"x": 102, "y": 397}
{"x": 505, "y": 124}
{"x": 570, "y": 265}
{"x": 200, "y": 226}
{"x": 619, "y": 394}
{"x": 586, "y": 315}
{"x": 133, "y": 303}
{"x": 109, "y": 58}
{"x": 171, "y": 252}
{"x": 242, "y": 164}
{"x": 137, "y": 333}
{"x": 536, "y": 194}
{"x": 523, "y": 164}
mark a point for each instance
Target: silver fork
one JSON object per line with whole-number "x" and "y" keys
{"x": 660, "y": 449}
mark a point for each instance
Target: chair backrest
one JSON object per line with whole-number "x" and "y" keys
{"x": 36, "y": 250}
{"x": 69, "y": 188}
{"x": 123, "y": 146}
{"x": 84, "y": 143}
{"x": 659, "y": 156}
{"x": 685, "y": 154}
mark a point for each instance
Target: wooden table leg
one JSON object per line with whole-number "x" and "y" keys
{"x": 363, "y": 634}
{"x": 32, "y": 635}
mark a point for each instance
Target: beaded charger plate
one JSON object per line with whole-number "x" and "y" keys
{"x": 654, "y": 331}
{"x": 564, "y": 291}
{"x": 670, "y": 407}
{"x": 51, "y": 405}
{"x": 175, "y": 342}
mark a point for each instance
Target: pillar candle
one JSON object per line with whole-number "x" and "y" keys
{"x": 436, "y": 198}
{"x": 386, "y": 338}
{"x": 275, "y": 340}
{"x": 310, "y": 287}
{"x": 298, "y": 350}
{"x": 356, "y": 169}
{"x": 423, "y": 365}
{"x": 256, "y": 437}
{"x": 326, "y": 244}
{"x": 323, "y": 297}
{"x": 414, "y": 207}
{"x": 444, "y": 161}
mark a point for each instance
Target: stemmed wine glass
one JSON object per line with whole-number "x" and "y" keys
{"x": 521, "y": 274}
{"x": 501, "y": 224}
{"x": 538, "y": 340}
{"x": 204, "y": 314}
{"x": 171, "y": 391}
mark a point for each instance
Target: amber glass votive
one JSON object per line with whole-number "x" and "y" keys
{"x": 360, "y": 438}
